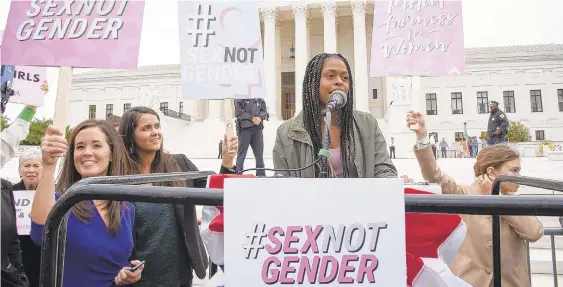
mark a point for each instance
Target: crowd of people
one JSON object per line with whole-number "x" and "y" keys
{"x": 105, "y": 239}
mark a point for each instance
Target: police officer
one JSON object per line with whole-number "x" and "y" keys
{"x": 498, "y": 125}
{"x": 250, "y": 114}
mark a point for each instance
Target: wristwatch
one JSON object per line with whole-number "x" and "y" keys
{"x": 422, "y": 143}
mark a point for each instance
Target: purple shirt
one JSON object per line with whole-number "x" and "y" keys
{"x": 93, "y": 257}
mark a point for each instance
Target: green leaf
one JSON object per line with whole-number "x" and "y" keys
{"x": 36, "y": 131}
{"x": 518, "y": 132}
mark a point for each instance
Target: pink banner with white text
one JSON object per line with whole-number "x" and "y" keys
{"x": 417, "y": 38}
{"x": 75, "y": 33}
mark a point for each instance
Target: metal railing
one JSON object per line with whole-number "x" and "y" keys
{"x": 552, "y": 233}
{"x": 53, "y": 249}
{"x": 521, "y": 180}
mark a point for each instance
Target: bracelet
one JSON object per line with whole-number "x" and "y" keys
{"x": 422, "y": 143}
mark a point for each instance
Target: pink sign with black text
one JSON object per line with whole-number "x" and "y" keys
{"x": 82, "y": 34}
{"x": 417, "y": 38}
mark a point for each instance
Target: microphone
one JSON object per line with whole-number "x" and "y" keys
{"x": 336, "y": 100}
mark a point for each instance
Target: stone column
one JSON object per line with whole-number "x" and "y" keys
{"x": 300, "y": 15}
{"x": 194, "y": 109}
{"x": 360, "y": 56}
{"x": 215, "y": 108}
{"x": 279, "y": 105}
{"x": 329, "y": 16}
{"x": 228, "y": 109}
{"x": 269, "y": 15}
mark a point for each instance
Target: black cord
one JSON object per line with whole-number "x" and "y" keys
{"x": 280, "y": 169}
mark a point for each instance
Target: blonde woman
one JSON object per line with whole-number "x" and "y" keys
{"x": 31, "y": 170}
{"x": 473, "y": 263}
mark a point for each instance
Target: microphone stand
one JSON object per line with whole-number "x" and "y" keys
{"x": 324, "y": 152}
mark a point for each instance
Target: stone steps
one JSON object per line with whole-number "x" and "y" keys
{"x": 541, "y": 262}
{"x": 543, "y": 280}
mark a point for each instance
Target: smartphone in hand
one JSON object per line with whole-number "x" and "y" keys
{"x": 230, "y": 128}
{"x": 137, "y": 266}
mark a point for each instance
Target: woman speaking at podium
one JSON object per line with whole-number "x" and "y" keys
{"x": 357, "y": 146}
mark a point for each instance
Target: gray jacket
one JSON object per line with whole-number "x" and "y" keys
{"x": 294, "y": 148}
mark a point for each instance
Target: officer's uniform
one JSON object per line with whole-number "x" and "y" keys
{"x": 497, "y": 121}
{"x": 250, "y": 134}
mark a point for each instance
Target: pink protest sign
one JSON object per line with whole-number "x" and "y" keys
{"x": 75, "y": 33}
{"x": 417, "y": 38}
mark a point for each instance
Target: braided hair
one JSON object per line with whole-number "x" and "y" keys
{"x": 312, "y": 108}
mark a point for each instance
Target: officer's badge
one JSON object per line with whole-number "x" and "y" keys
{"x": 492, "y": 119}
{"x": 502, "y": 116}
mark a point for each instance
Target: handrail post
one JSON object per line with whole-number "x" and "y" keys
{"x": 497, "y": 272}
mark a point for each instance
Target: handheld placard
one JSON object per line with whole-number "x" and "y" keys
{"x": 415, "y": 98}
{"x": 63, "y": 93}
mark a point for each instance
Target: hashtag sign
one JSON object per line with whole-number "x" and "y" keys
{"x": 254, "y": 240}
{"x": 199, "y": 21}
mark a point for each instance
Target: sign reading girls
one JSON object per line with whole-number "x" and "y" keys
{"x": 75, "y": 33}
{"x": 417, "y": 38}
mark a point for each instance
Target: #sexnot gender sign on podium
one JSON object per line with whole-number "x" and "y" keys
{"x": 305, "y": 232}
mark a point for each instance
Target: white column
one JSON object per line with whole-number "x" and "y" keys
{"x": 300, "y": 14}
{"x": 360, "y": 56}
{"x": 194, "y": 109}
{"x": 329, "y": 16}
{"x": 269, "y": 15}
{"x": 279, "y": 25}
{"x": 228, "y": 109}
{"x": 214, "y": 110}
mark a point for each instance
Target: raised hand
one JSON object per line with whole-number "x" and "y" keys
{"x": 229, "y": 151}
{"x": 53, "y": 145}
{"x": 413, "y": 118}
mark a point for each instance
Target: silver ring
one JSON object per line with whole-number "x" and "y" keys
{"x": 50, "y": 143}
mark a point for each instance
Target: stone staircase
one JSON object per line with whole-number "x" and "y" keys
{"x": 541, "y": 257}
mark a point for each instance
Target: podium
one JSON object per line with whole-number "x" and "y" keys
{"x": 298, "y": 241}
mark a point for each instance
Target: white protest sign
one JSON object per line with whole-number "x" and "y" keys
{"x": 306, "y": 232}
{"x": 27, "y": 85}
{"x": 221, "y": 50}
{"x": 23, "y": 200}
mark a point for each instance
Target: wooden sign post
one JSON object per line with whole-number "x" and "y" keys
{"x": 60, "y": 118}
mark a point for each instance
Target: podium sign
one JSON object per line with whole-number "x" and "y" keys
{"x": 308, "y": 232}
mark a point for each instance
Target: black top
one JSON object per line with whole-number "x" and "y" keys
{"x": 246, "y": 109}
{"x": 11, "y": 251}
{"x": 186, "y": 219}
{"x": 31, "y": 252}
{"x": 497, "y": 120}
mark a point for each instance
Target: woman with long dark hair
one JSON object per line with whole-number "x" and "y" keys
{"x": 166, "y": 235}
{"x": 99, "y": 233}
{"x": 357, "y": 146}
